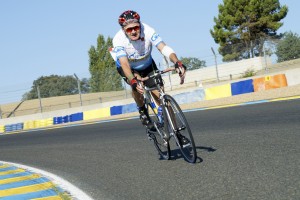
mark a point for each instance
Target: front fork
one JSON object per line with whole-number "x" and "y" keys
{"x": 168, "y": 118}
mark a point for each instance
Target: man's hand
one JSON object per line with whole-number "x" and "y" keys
{"x": 180, "y": 68}
{"x": 136, "y": 85}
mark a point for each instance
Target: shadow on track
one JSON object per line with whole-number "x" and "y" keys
{"x": 176, "y": 153}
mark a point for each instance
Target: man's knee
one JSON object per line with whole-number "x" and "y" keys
{"x": 139, "y": 98}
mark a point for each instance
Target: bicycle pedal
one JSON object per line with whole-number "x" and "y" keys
{"x": 186, "y": 145}
{"x": 165, "y": 143}
{"x": 151, "y": 131}
{"x": 150, "y": 136}
{"x": 183, "y": 146}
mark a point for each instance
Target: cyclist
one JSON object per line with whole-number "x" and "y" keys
{"x": 132, "y": 46}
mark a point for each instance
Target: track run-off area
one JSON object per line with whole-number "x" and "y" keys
{"x": 245, "y": 152}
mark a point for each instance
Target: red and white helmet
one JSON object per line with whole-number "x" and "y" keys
{"x": 128, "y": 17}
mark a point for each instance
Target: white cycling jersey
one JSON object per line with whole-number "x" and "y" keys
{"x": 138, "y": 52}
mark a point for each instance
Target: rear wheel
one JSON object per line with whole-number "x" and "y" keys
{"x": 178, "y": 125}
{"x": 159, "y": 137}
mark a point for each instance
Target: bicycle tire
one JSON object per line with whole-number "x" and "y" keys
{"x": 179, "y": 125}
{"x": 162, "y": 145}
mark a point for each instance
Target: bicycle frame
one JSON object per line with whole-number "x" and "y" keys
{"x": 148, "y": 98}
{"x": 174, "y": 123}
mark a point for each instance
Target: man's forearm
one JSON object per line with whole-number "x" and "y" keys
{"x": 127, "y": 71}
{"x": 173, "y": 58}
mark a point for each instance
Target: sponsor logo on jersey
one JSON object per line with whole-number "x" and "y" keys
{"x": 118, "y": 49}
{"x": 154, "y": 36}
{"x": 134, "y": 58}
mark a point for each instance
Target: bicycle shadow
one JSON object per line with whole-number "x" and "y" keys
{"x": 176, "y": 153}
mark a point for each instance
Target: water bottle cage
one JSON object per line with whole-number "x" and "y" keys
{"x": 160, "y": 114}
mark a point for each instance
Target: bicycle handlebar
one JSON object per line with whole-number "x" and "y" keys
{"x": 158, "y": 72}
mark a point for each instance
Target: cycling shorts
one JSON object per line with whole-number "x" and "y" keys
{"x": 148, "y": 71}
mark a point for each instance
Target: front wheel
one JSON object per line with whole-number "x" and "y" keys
{"x": 158, "y": 137}
{"x": 179, "y": 126}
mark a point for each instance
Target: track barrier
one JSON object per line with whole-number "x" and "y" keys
{"x": 220, "y": 91}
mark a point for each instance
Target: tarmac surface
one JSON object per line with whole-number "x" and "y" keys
{"x": 245, "y": 152}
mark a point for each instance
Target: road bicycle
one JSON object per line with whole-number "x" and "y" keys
{"x": 172, "y": 123}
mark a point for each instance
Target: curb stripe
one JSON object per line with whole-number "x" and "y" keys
{"x": 17, "y": 179}
{"x": 49, "y": 198}
{"x": 55, "y": 189}
{"x": 23, "y": 183}
{"x": 20, "y": 174}
{"x": 9, "y": 168}
{"x": 4, "y": 166}
{"x": 32, "y": 195}
{"x": 26, "y": 189}
{"x": 12, "y": 172}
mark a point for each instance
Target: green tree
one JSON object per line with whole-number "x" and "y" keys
{"x": 243, "y": 26}
{"x": 289, "y": 47}
{"x": 104, "y": 76}
{"x": 192, "y": 63}
{"x": 54, "y": 85}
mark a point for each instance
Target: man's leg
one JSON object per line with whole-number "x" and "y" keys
{"x": 139, "y": 100}
{"x": 144, "y": 115}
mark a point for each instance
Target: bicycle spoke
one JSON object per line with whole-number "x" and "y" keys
{"x": 159, "y": 137}
{"x": 170, "y": 123}
{"x": 183, "y": 135}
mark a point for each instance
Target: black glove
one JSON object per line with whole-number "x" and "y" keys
{"x": 134, "y": 83}
{"x": 179, "y": 65}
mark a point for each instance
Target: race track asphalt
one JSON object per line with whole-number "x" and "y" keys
{"x": 245, "y": 152}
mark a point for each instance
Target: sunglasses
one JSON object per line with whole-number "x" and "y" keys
{"x": 135, "y": 28}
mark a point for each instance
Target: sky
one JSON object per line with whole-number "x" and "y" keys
{"x": 53, "y": 37}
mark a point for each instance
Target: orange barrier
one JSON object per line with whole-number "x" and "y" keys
{"x": 269, "y": 82}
